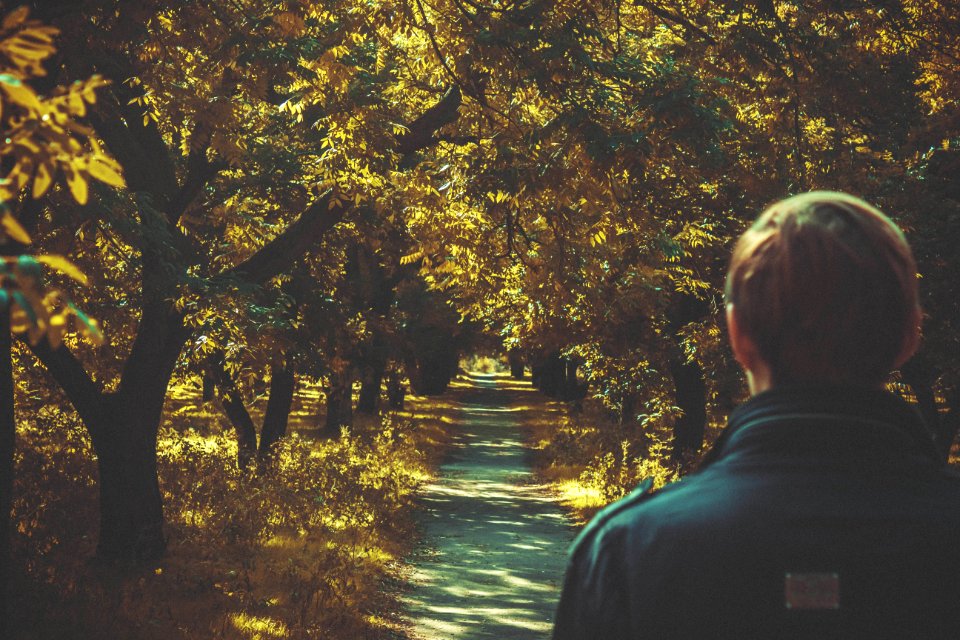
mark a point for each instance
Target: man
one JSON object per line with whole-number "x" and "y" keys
{"x": 823, "y": 511}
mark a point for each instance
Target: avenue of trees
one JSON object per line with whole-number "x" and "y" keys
{"x": 354, "y": 192}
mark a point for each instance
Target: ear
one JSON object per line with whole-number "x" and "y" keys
{"x": 744, "y": 349}
{"x": 911, "y": 341}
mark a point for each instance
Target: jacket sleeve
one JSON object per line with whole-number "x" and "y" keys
{"x": 593, "y": 603}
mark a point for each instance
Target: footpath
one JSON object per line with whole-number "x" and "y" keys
{"x": 494, "y": 549}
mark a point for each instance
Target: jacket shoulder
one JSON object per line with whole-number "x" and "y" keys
{"x": 643, "y": 491}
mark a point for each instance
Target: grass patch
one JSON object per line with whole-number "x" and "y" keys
{"x": 309, "y": 550}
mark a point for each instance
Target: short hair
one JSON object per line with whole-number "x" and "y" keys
{"x": 825, "y": 285}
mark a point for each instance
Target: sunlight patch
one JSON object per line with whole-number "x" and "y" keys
{"x": 259, "y": 627}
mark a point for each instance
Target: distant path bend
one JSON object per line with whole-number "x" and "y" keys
{"x": 494, "y": 549}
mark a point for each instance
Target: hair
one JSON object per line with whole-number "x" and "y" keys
{"x": 825, "y": 285}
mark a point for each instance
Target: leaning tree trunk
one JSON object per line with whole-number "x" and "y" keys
{"x": 283, "y": 383}
{"x": 236, "y": 411}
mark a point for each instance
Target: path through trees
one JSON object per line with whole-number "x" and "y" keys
{"x": 494, "y": 549}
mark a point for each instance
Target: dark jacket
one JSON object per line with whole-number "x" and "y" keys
{"x": 820, "y": 513}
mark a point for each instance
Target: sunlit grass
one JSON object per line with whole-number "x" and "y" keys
{"x": 259, "y": 628}
{"x": 300, "y": 551}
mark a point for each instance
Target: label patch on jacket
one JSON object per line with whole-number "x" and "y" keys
{"x": 812, "y": 590}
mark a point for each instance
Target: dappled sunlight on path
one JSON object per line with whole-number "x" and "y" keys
{"x": 495, "y": 543}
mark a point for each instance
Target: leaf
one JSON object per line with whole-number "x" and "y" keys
{"x": 18, "y": 92}
{"x": 106, "y": 170}
{"x": 78, "y": 185}
{"x": 21, "y": 301}
{"x": 64, "y": 266}
{"x": 15, "y": 17}
{"x": 89, "y": 324}
{"x": 13, "y": 228}
{"x": 42, "y": 180}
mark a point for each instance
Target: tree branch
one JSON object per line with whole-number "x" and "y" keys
{"x": 86, "y": 395}
{"x": 293, "y": 242}
{"x": 420, "y": 132}
{"x": 660, "y": 12}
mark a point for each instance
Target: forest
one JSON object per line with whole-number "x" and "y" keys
{"x": 247, "y": 245}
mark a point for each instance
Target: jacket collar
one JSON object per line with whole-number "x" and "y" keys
{"x": 837, "y": 420}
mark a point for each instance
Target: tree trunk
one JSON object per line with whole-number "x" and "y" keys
{"x": 628, "y": 409}
{"x": 691, "y": 398}
{"x": 123, "y": 429}
{"x": 8, "y": 432}
{"x": 339, "y": 404}
{"x": 124, "y": 435}
{"x": 283, "y": 383}
{"x": 396, "y": 391}
{"x": 374, "y": 360}
{"x": 369, "y": 400}
{"x": 515, "y": 358}
{"x": 950, "y": 422}
{"x": 208, "y": 387}
{"x": 131, "y": 506}
{"x": 236, "y": 411}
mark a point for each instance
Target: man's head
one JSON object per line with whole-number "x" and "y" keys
{"x": 822, "y": 288}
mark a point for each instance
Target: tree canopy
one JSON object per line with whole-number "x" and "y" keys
{"x": 362, "y": 191}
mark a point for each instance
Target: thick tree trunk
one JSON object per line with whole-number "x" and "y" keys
{"x": 124, "y": 435}
{"x": 8, "y": 431}
{"x": 553, "y": 372}
{"x": 283, "y": 383}
{"x": 131, "y": 506}
{"x": 123, "y": 428}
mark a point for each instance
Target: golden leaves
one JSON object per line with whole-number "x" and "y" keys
{"x": 26, "y": 43}
{"x": 290, "y": 23}
{"x": 12, "y": 228}
{"x": 41, "y": 137}
{"x": 41, "y": 311}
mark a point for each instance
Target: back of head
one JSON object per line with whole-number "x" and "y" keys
{"x": 825, "y": 286}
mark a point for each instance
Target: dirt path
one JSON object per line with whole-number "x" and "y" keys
{"x": 495, "y": 544}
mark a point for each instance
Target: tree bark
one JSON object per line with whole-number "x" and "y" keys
{"x": 374, "y": 365}
{"x": 131, "y": 506}
{"x": 691, "y": 398}
{"x": 123, "y": 428}
{"x": 515, "y": 358}
{"x": 339, "y": 404}
{"x": 236, "y": 410}
{"x": 369, "y": 400}
{"x": 282, "y": 386}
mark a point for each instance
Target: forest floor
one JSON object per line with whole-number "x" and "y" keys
{"x": 493, "y": 552}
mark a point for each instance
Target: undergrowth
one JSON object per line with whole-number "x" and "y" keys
{"x": 299, "y": 551}
{"x": 590, "y": 460}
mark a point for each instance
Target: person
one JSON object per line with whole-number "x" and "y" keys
{"x": 824, "y": 510}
